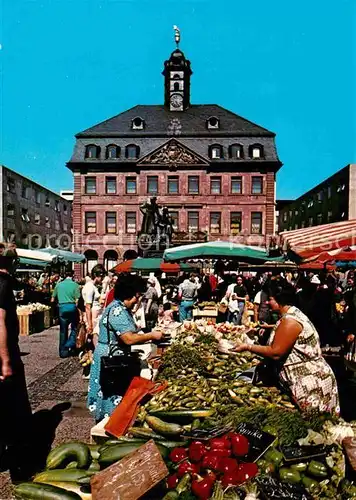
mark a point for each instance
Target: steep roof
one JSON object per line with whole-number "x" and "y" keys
{"x": 192, "y": 122}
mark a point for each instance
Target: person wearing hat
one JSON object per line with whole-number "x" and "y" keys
{"x": 315, "y": 280}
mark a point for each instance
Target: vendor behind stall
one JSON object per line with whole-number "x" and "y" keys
{"x": 294, "y": 346}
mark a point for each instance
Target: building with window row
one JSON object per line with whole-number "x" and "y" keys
{"x": 333, "y": 200}
{"x": 31, "y": 215}
{"x": 213, "y": 169}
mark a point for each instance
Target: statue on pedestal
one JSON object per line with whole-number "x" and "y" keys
{"x": 157, "y": 226}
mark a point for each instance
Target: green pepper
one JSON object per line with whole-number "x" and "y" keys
{"x": 300, "y": 467}
{"x": 309, "y": 483}
{"x": 274, "y": 456}
{"x": 289, "y": 475}
{"x": 171, "y": 495}
{"x": 183, "y": 483}
{"x": 317, "y": 469}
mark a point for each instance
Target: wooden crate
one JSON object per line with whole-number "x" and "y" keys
{"x": 24, "y": 323}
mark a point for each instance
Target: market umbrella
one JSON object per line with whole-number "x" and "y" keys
{"x": 152, "y": 264}
{"x": 39, "y": 255}
{"x": 219, "y": 249}
{"x": 33, "y": 262}
{"x": 65, "y": 255}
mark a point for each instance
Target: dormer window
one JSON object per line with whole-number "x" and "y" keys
{"x": 213, "y": 123}
{"x": 132, "y": 152}
{"x": 138, "y": 123}
{"x": 256, "y": 151}
{"x": 92, "y": 151}
{"x": 112, "y": 152}
{"x": 236, "y": 151}
{"x": 216, "y": 152}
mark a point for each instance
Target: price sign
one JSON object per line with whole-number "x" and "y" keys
{"x": 272, "y": 489}
{"x": 259, "y": 441}
{"x": 131, "y": 477}
{"x": 298, "y": 453}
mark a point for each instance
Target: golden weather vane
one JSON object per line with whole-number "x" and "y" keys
{"x": 176, "y": 35}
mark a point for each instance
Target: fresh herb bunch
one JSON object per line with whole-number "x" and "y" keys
{"x": 180, "y": 357}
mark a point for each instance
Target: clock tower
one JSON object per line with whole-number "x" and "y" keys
{"x": 177, "y": 75}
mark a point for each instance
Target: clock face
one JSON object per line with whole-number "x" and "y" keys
{"x": 176, "y": 100}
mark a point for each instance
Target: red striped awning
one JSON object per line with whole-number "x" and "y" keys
{"x": 311, "y": 241}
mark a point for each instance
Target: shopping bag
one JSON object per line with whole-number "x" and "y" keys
{"x": 125, "y": 414}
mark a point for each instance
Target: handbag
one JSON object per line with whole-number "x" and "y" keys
{"x": 118, "y": 370}
{"x": 81, "y": 336}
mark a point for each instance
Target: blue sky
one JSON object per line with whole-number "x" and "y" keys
{"x": 288, "y": 66}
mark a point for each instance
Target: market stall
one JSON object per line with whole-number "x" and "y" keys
{"x": 153, "y": 264}
{"x": 204, "y": 428}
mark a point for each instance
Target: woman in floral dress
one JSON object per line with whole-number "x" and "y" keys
{"x": 123, "y": 330}
{"x": 294, "y": 345}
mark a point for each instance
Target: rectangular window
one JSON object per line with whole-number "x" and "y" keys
{"x": 152, "y": 184}
{"x": 131, "y": 222}
{"x": 10, "y": 185}
{"x": 26, "y": 191}
{"x": 90, "y": 185}
{"x": 37, "y": 219}
{"x": 235, "y": 223}
{"x": 65, "y": 209}
{"x": 57, "y": 225}
{"x": 257, "y": 185}
{"x": 256, "y": 223}
{"x": 215, "y": 185}
{"x": 110, "y": 185}
{"x": 38, "y": 197}
{"x": 65, "y": 226}
{"x": 24, "y": 215}
{"x": 90, "y": 222}
{"x": 193, "y": 184}
{"x": 173, "y": 184}
{"x": 47, "y": 222}
{"x": 320, "y": 196}
{"x": 319, "y": 218}
{"x": 11, "y": 210}
{"x": 285, "y": 216}
{"x": 330, "y": 192}
{"x": 193, "y": 222}
{"x": 236, "y": 185}
{"x": 215, "y": 222}
{"x": 310, "y": 221}
{"x": 330, "y": 216}
{"x": 175, "y": 219}
{"x": 47, "y": 203}
{"x": 131, "y": 185}
{"x": 110, "y": 223}
{"x": 303, "y": 224}
{"x": 56, "y": 205}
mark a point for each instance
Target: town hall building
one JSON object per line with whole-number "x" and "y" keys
{"x": 213, "y": 169}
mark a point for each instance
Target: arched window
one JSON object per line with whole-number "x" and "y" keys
{"x": 112, "y": 152}
{"x": 216, "y": 152}
{"x": 132, "y": 152}
{"x": 110, "y": 259}
{"x": 138, "y": 123}
{"x": 256, "y": 151}
{"x": 92, "y": 151}
{"x": 213, "y": 123}
{"x": 92, "y": 260}
{"x": 236, "y": 151}
{"x": 176, "y": 86}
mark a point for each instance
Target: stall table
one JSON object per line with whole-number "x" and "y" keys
{"x": 207, "y": 312}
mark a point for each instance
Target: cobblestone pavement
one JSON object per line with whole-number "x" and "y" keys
{"x": 51, "y": 381}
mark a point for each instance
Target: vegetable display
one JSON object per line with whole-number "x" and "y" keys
{"x": 196, "y": 425}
